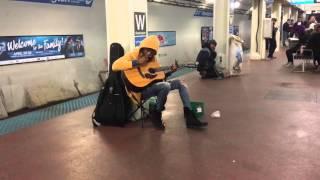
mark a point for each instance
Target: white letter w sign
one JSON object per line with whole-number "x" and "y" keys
{"x": 140, "y": 23}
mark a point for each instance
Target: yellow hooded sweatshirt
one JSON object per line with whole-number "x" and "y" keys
{"x": 128, "y": 61}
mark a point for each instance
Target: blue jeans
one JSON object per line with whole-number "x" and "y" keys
{"x": 284, "y": 37}
{"x": 162, "y": 89}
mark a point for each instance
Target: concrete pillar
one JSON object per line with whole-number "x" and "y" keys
{"x": 120, "y": 21}
{"x": 258, "y": 43}
{"x": 221, "y": 21}
{"x": 294, "y": 14}
{"x": 276, "y": 13}
{"x": 286, "y": 16}
{"x": 286, "y": 13}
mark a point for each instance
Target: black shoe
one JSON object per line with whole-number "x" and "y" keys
{"x": 203, "y": 74}
{"x": 156, "y": 119}
{"x": 191, "y": 120}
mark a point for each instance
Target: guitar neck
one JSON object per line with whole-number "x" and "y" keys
{"x": 166, "y": 68}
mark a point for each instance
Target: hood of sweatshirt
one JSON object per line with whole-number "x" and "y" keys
{"x": 151, "y": 42}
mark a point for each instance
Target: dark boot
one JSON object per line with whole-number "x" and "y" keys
{"x": 191, "y": 120}
{"x": 156, "y": 119}
{"x": 203, "y": 74}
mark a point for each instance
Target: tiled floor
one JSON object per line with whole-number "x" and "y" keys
{"x": 264, "y": 133}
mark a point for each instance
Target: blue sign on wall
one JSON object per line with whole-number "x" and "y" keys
{"x": 203, "y": 13}
{"x": 233, "y": 29}
{"x": 138, "y": 39}
{"x": 166, "y": 38}
{"x": 87, "y": 3}
{"x": 302, "y": 2}
{"x": 269, "y": 2}
{"x": 22, "y": 49}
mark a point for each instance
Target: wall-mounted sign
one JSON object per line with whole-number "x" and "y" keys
{"x": 268, "y": 2}
{"x": 138, "y": 39}
{"x": 233, "y": 29}
{"x": 203, "y": 13}
{"x": 86, "y": 3}
{"x": 22, "y": 49}
{"x": 140, "y": 24}
{"x": 298, "y": 2}
{"x": 206, "y": 34}
{"x": 166, "y": 38}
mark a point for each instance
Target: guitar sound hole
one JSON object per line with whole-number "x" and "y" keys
{"x": 152, "y": 70}
{"x": 150, "y": 76}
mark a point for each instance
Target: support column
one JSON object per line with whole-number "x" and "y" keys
{"x": 120, "y": 21}
{"x": 286, "y": 13}
{"x": 258, "y": 43}
{"x": 276, "y": 13}
{"x": 286, "y": 16}
{"x": 221, "y": 21}
{"x": 294, "y": 14}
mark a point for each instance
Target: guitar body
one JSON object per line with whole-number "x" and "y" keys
{"x": 139, "y": 78}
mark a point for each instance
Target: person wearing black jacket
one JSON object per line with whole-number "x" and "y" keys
{"x": 285, "y": 30}
{"x": 272, "y": 43}
{"x": 206, "y": 64}
{"x": 314, "y": 44}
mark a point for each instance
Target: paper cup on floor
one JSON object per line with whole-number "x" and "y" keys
{"x": 216, "y": 114}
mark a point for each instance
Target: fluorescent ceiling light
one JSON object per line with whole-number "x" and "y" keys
{"x": 235, "y": 5}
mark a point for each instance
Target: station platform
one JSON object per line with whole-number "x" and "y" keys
{"x": 269, "y": 129}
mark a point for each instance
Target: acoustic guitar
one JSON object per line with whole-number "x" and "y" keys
{"x": 137, "y": 79}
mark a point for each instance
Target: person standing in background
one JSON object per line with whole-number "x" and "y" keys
{"x": 299, "y": 28}
{"x": 273, "y": 42}
{"x": 285, "y": 30}
{"x": 311, "y": 23}
{"x": 291, "y": 23}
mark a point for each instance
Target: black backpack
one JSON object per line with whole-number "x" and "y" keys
{"x": 113, "y": 105}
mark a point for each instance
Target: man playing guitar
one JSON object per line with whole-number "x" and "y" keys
{"x": 139, "y": 68}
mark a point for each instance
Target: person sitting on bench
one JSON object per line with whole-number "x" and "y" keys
{"x": 303, "y": 40}
{"x": 314, "y": 44}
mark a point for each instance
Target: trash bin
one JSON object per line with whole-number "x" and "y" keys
{"x": 235, "y": 55}
{"x": 197, "y": 108}
{"x": 293, "y": 42}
